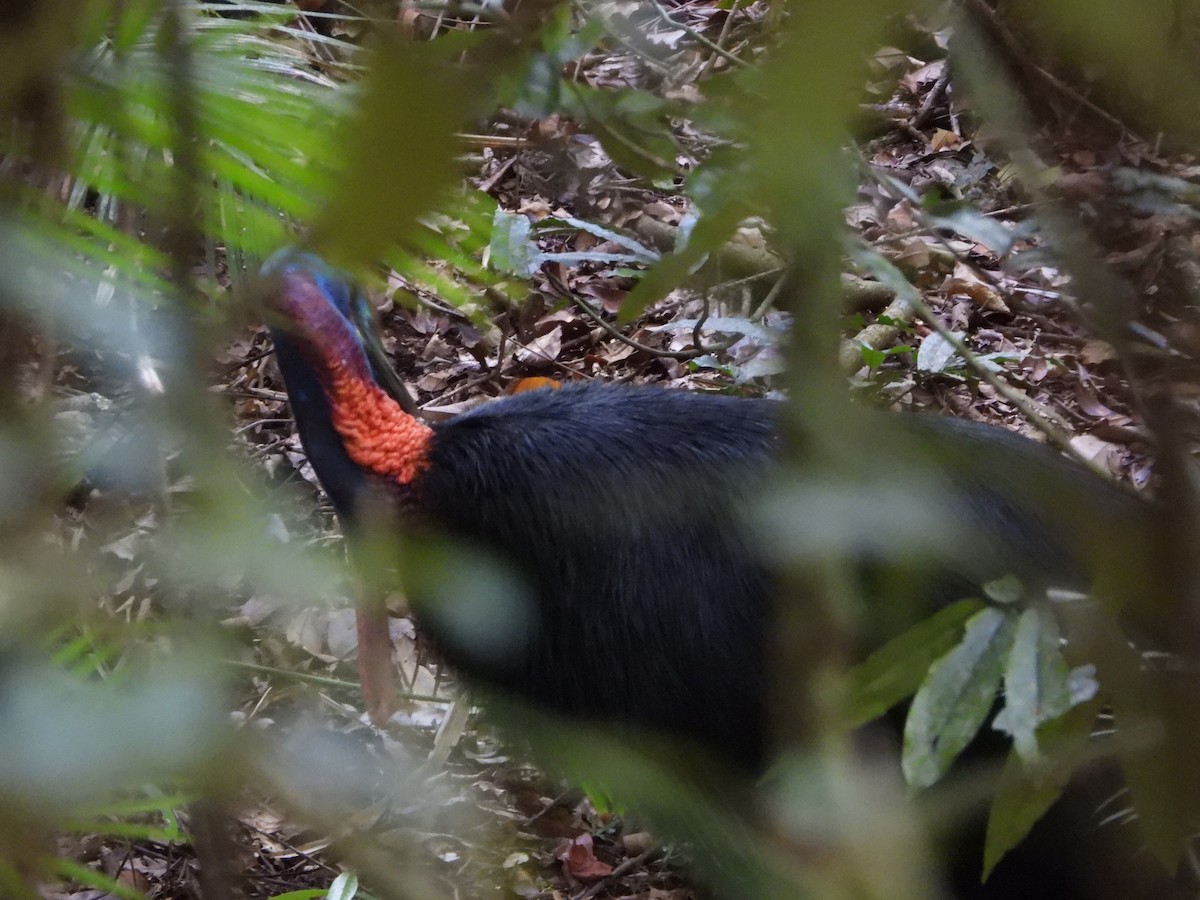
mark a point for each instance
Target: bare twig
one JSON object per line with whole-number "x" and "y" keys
{"x": 725, "y": 28}
{"x": 627, "y": 866}
{"x": 697, "y": 36}
{"x": 325, "y": 680}
{"x": 925, "y": 113}
{"x": 615, "y": 332}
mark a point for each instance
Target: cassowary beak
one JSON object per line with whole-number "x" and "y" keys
{"x": 381, "y": 366}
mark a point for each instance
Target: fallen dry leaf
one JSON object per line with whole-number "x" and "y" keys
{"x": 966, "y": 283}
{"x": 541, "y": 351}
{"x": 944, "y": 140}
{"x": 580, "y": 861}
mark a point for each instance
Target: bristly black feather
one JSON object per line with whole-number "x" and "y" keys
{"x": 621, "y": 508}
{"x": 626, "y": 513}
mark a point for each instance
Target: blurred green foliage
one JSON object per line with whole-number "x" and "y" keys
{"x": 291, "y": 136}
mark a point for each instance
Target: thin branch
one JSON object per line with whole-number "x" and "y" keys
{"x": 615, "y": 332}
{"x": 925, "y": 113}
{"x": 697, "y": 36}
{"x": 324, "y": 680}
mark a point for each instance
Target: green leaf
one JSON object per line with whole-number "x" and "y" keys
{"x": 131, "y": 806}
{"x": 77, "y": 871}
{"x": 1025, "y": 793}
{"x": 1036, "y": 681}
{"x": 570, "y": 257}
{"x": 398, "y": 154}
{"x": 634, "y": 126}
{"x": 639, "y": 251}
{"x": 885, "y": 272}
{"x": 976, "y": 227}
{"x": 1005, "y": 591}
{"x": 955, "y": 699}
{"x": 1018, "y": 805}
{"x": 895, "y": 671}
{"x": 709, "y": 234}
{"x": 871, "y": 357}
{"x": 136, "y": 831}
{"x": 512, "y": 249}
{"x": 936, "y": 353}
{"x": 344, "y": 887}
{"x": 810, "y": 85}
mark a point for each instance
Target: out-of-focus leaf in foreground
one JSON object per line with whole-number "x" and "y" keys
{"x": 895, "y": 671}
{"x": 398, "y": 152}
{"x": 64, "y": 742}
{"x": 956, "y": 698}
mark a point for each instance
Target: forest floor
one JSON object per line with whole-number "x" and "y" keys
{"x": 495, "y": 827}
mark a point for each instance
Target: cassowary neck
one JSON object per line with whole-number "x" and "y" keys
{"x": 377, "y": 434}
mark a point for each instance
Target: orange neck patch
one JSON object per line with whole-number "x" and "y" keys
{"x": 377, "y": 433}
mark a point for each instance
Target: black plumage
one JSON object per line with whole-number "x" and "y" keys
{"x": 619, "y": 508}
{"x": 622, "y": 511}
{"x": 627, "y": 515}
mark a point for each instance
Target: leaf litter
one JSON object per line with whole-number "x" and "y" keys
{"x": 980, "y": 268}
